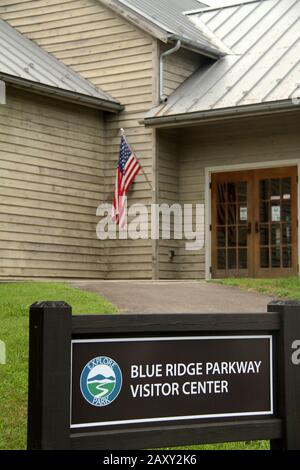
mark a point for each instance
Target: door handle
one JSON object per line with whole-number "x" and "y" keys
{"x": 256, "y": 227}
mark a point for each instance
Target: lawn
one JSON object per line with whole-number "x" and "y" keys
{"x": 15, "y": 300}
{"x": 284, "y": 288}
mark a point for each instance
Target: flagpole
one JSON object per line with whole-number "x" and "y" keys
{"x": 143, "y": 171}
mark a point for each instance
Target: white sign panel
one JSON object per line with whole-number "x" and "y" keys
{"x": 243, "y": 214}
{"x": 276, "y": 214}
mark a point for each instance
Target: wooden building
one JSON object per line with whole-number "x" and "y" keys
{"x": 214, "y": 122}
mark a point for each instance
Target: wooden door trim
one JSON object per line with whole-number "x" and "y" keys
{"x": 237, "y": 176}
{"x": 252, "y": 176}
{"x": 291, "y": 171}
{"x": 210, "y": 170}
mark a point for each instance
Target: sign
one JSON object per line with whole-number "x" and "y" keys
{"x": 120, "y": 382}
{"x": 243, "y": 214}
{"x": 276, "y": 214}
{"x": 149, "y": 380}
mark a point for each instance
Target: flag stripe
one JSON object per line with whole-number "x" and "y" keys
{"x": 128, "y": 168}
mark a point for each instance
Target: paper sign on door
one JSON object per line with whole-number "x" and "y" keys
{"x": 276, "y": 214}
{"x": 243, "y": 214}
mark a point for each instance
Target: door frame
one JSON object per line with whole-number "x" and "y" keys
{"x": 208, "y": 205}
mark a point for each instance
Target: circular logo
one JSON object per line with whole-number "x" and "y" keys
{"x": 101, "y": 381}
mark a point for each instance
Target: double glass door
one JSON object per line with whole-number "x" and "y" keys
{"x": 254, "y": 223}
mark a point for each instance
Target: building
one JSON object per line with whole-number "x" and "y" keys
{"x": 76, "y": 71}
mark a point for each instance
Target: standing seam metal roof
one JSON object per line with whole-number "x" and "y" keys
{"x": 169, "y": 16}
{"x": 23, "y": 59}
{"x": 264, "y": 66}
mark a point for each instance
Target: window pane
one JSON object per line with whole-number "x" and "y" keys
{"x": 264, "y": 189}
{"x": 231, "y": 259}
{"x": 264, "y": 212}
{"x": 286, "y": 211}
{"x": 286, "y": 234}
{"x": 243, "y": 234}
{"x": 242, "y": 191}
{"x": 231, "y": 236}
{"x": 286, "y": 188}
{"x": 264, "y": 257}
{"x": 287, "y": 257}
{"x": 275, "y": 234}
{"x": 275, "y": 257}
{"x": 275, "y": 187}
{"x": 231, "y": 220}
{"x": 221, "y": 231}
{"x": 221, "y": 214}
{"x": 221, "y": 189}
{"x": 264, "y": 234}
{"x": 221, "y": 259}
{"x": 231, "y": 192}
{"x": 243, "y": 262}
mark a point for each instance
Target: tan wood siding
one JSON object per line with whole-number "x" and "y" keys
{"x": 51, "y": 178}
{"x": 250, "y": 141}
{"x": 168, "y": 194}
{"x": 122, "y": 60}
{"x": 178, "y": 67}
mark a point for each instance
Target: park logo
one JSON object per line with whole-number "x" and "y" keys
{"x": 101, "y": 381}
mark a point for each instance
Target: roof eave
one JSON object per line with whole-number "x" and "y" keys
{"x": 137, "y": 19}
{"x": 197, "y": 47}
{"x": 159, "y": 32}
{"x": 65, "y": 95}
{"x": 221, "y": 114}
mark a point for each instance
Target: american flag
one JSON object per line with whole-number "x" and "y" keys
{"x": 128, "y": 168}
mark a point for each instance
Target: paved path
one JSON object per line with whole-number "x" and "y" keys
{"x": 176, "y": 297}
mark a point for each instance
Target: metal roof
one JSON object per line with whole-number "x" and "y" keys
{"x": 168, "y": 16}
{"x": 23, "y": 62}
{"x": 263, "y": 68}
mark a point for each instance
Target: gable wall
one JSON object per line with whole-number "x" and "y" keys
{"x": 119, "y": 58}
{"x": 178, "y": 67}
{"x": 122, "y": 60}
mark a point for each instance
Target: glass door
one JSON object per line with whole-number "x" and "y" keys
{"x": 254, "y": 229}
{"x": 231, "y": 225}
{"x": 276, "y": 240}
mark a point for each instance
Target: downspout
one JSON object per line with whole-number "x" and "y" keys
{"x": 162, "y": 97}
{"x": 2, "y": 92}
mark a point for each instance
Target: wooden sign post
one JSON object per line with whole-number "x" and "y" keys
{"x": 109, "y": 382}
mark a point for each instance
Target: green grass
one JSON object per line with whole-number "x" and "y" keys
{"x": 285, "y": 288}
{"x": 249, "y": 445}
{"x": 15, "y": 300}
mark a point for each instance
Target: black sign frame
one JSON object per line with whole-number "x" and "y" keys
{"x": 52, "y": 328}
{"x": 177, "y": 341}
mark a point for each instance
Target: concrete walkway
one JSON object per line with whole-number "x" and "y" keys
{"x": 176, "y": 297}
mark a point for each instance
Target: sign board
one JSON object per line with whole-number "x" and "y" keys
{"x": 106, "y": 382}
{"x": 140, "y": 381}
{"x": 276, "y": 214}
{"x": 243, "y": 214}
